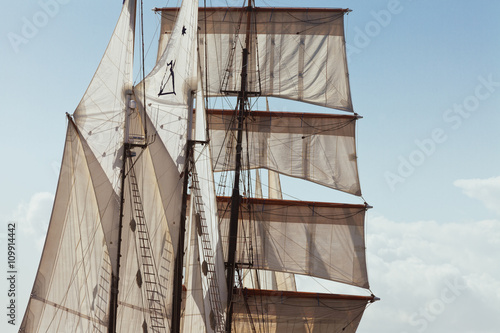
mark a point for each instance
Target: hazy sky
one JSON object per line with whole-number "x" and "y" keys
{"x": 425, "y": 76}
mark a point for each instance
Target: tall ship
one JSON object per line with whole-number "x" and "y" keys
{"x": 169, "y": 214}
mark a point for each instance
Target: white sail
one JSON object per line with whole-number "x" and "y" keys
{"x": 71, "y": 289}
{"x": 310, "y": 238}
{"x": 101, "y": 112}
{"x": 317, "y": 147}
{"x": 297, "y": 54}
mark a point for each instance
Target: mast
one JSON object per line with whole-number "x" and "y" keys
{"x": 235, "y": 198}
{"x": 115, "y": 278}
{"x": 129, "y": 106}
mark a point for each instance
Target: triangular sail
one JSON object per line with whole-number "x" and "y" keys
{"x": 147, "y": 255}
{"x": 100, "y": 114}
{"x": 71, "y": 289}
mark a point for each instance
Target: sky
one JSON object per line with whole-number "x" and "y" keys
{"x": 424, "y": 75}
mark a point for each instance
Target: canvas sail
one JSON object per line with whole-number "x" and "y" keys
{"x": 71, "y": 289}
{"x": 70, "y": 292}
{"x": 73, "y": 285}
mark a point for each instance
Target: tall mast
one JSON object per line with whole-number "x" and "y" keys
{"x": 235, "y": 198}
{"x": 115, "y": 278}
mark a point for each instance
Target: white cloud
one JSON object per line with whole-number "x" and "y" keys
{"x": 433, "y": 277}
{"x": 485, "y": 190}
{"x": 33, "y": 218}
{"x": 31, "y": 221}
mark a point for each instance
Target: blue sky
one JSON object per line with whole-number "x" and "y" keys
{"x": 425, "y": 76}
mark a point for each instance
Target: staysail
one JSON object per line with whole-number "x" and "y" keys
{"x": 70, "y": 290}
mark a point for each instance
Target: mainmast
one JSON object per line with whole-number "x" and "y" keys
{"x": 235, "y": 198}
{"x": 128, "y": 144}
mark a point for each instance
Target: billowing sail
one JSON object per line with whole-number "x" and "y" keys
{"x": 297, "y": 54}
{"x": 317, "y": 147}
{"x": 310, "y": 238}
{"x": 71, "y": 290}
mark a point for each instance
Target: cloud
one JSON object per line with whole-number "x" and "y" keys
{"x": 433, "y": 277}
{"x": 485, "y": 190}
{"x": 33, "y": 218}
